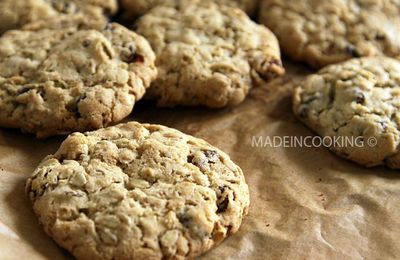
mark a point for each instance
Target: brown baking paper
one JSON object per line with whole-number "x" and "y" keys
{"x": 306, "y": 203}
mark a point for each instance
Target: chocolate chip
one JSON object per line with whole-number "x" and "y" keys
{"x": 222, "y": 188}
{"x": 223, "y": 205}
{"x": 351, "y": 50}
{"x": 360, "y": 98}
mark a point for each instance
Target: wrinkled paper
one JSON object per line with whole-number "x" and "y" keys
{"x": 306, "y": 203}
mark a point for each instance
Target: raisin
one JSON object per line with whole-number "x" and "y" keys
{"x": 360, "y": 99}
{"x": 84, "y": 211}
{"x": 223, "y": 205}
{"x": 73, "y": 107}
{"x": 384, "y": 126}
{"x": 351, "y": 50}
{"x": 133, "y": 56}
{"x": 107, "y": 51}
{"x": 380, "y": 37}
{"x": 304, "y": 112}
{"x": 23, "y": 90}
{"x": 190, "y": 158}
{"x": 86, "y": 43}
{"x": 184, "y": 219}
{"x": 41, "y": 91}
{"x": 212, "y": 156}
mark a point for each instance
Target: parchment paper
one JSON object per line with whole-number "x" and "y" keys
{"x": 306, "y": 203}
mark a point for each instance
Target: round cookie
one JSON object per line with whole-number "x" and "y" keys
{"x": 358, "y": 103}
{"x": 16, "y": 13}
{"x": 327, "y": 32}
{"x": 138, "y": 191}
{"x": 67, "y": 74}
{"x": 207, "y": 54}
{"x": 135, "y": 8}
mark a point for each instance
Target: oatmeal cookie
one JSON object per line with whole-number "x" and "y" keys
{"x": 138, "y": 191}
{"x": 135, "y": 8}
{"x": 208, "y": 54}
{"x": 67, "y": 74}
{"x": 16, "y": 13}
{"x": 357, "y": 103}
{"x": 326, "y": 32}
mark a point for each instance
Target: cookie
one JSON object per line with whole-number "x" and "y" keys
{"x": 68, "y": 74}
{"x": 207, "y": 54}
{"x": 356, "y": 103}
{"x": 327, "y": 32}
{"x": 16, "y": 13}
{"x": 135, "y": 8}
{"x": 138, "y": 191}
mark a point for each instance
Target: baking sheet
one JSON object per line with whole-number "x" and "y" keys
{"x": 306, "y": 203}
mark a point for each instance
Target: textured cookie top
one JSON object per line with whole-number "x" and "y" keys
{"x": 135, "y": 8}
{"x": 208, "y": 54}
{"x": 16, "y": 13}
{"x": 138, "y": 191}
{"x": 64, "y": 75}
{"x": 326, "y": 32}
{"x": 357, "y": 98}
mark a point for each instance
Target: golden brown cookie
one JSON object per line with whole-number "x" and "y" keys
{"x": 138, "y": 191}
{"x": 68, "y": 74}
{"x": 356, "y": 103}
{"x": 135, "y": 8}
{"x": 16, "y": 13}
{"x": 326, "y": 32}
{"x": 208, "y": 54}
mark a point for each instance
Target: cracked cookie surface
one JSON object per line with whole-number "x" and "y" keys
{"x": 138, "y": 191}
{"x": 327, "y": 32}
{"x": 207, "y": 54}
{"x": 64, "y": 75}
{"x": 358, "y": 100}
{"x": 135, "y": 8}
{"x": 16, "y": 13}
